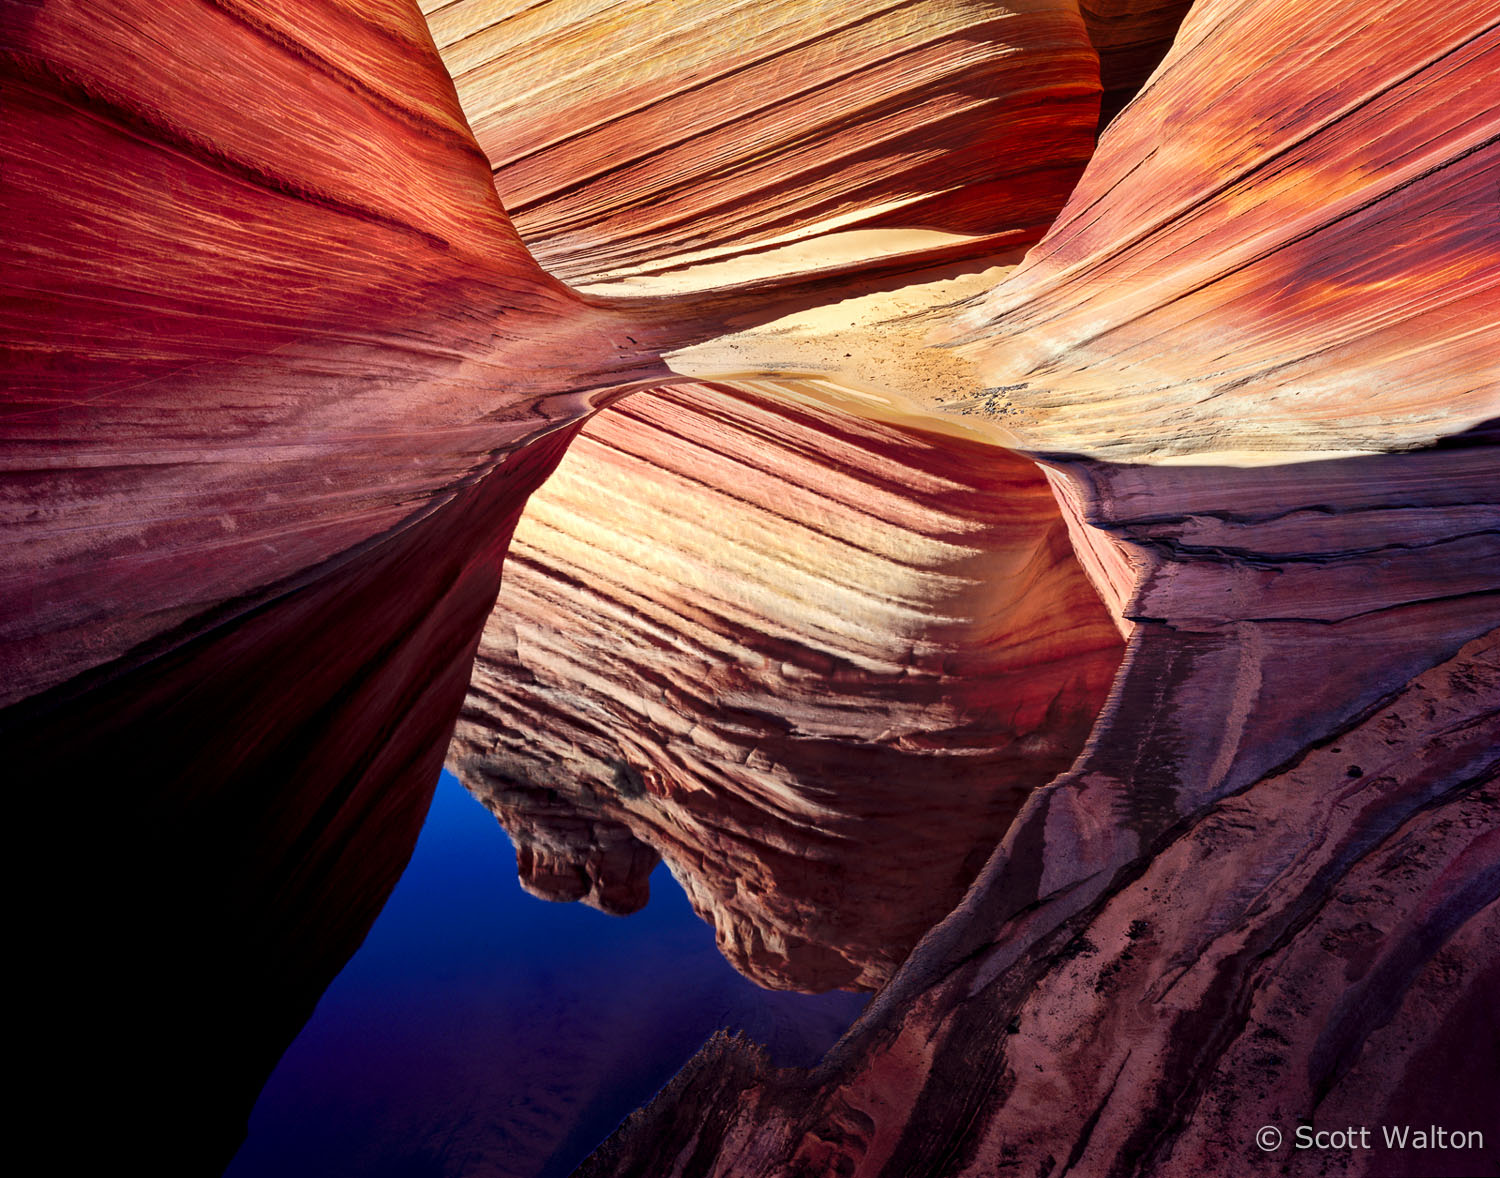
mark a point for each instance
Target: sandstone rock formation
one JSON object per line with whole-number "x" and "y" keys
{"x": 274, "y": 247}
{"x": 816, "y": 661}
{"x": 1302, "y": 263}
{"x": 281, "y": 376}
{"x": 270, "y": 342}
{"x": 634, "y": 140}
{"x": 1319, "y": 948}
{"x": 1131, "y": 37}
{"x": 1266, "y": 892}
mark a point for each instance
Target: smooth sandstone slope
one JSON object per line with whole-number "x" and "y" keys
{"x": 749, "y": 141}
{"x": 1266, "y": 892}
{"x": 812, "y": 660}
{"x": 270, "y": 247}
{"x": 1293, "y": 250}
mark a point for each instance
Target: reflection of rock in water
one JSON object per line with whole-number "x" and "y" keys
{"x": 565, "y": 852}
{"x": 1267, "y": 891}
{"x": 277, "y": 348}
{"x": 480, "y": 1032}
{"x": 258, "y": 301}
{"x": 815, "y": 662}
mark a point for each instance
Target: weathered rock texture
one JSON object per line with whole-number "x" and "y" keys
{"x": 272, "y": 247}
{"x": 1286, "y": 243}
{"x": 815, "y": 661}
{"x": 281, "y": 376}
{"x": 1266, "y": 893}
{"x": 1131, "y": 37}
{"x": 630, "y": 139}
{"x": 1321, "y": 945}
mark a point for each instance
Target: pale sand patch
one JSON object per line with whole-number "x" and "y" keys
{"x": 1254, "y": 457}
{"x": 872, "y": 354}
{"x": 880, "y": 355}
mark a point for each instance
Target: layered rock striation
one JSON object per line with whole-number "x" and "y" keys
{"x": 1266, "y": 892}
{"x": 282, "y": 376}
{"x": 279, "y": 378}
{"x": 742, "y": 142}
{"x": 1290, "y": 252}
{"x": 1315, "y": 949}
{"x": 272, "y": 246}
{"x": 815, "y": 661}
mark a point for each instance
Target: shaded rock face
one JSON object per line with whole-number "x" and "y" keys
{"x": 266, "y": 427}
{"x": 274, "y": 247}
{"x": 1308, "y": 949}
{"x": 813, "y": 660}
{"x": 1131, "y": 37}
{"x": 279, "y": 377}
{"x": 256, "y": 792}
{"x": 630, "y": 139}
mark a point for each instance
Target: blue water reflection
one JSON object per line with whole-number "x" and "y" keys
{"x": 480, "y": 1030}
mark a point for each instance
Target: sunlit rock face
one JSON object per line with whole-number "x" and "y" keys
{"x": 748, "y": 633}
{"x": 632, "y": 139}
{"x": 1266, "y": 892}
{"x": 1266, "y": 889}
{"x": 1305, "y": 261}
{"x": 815, "y": 661}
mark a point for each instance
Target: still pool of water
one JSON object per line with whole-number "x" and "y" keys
{"x": 482, "y": 1031}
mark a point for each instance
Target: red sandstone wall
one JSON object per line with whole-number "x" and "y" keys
{"x": 632, "y": 138}
{"x": 1287, "y": 242}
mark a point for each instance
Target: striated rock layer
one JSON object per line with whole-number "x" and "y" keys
{"x": 250, "y": 254}
{"x": 1320, "y": 947}
{"x": 281, "y": 376}
{"x": 1131, "y": 37}
{"x": 1287, "y": 242}
{"x": 630, "y": 139}
{"x": 1266, "y": 893}
{"x": 814, "y": 661}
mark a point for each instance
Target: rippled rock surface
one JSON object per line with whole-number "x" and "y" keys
{"x": 1093, "y": 650}
{"x": 634, "y": 140}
